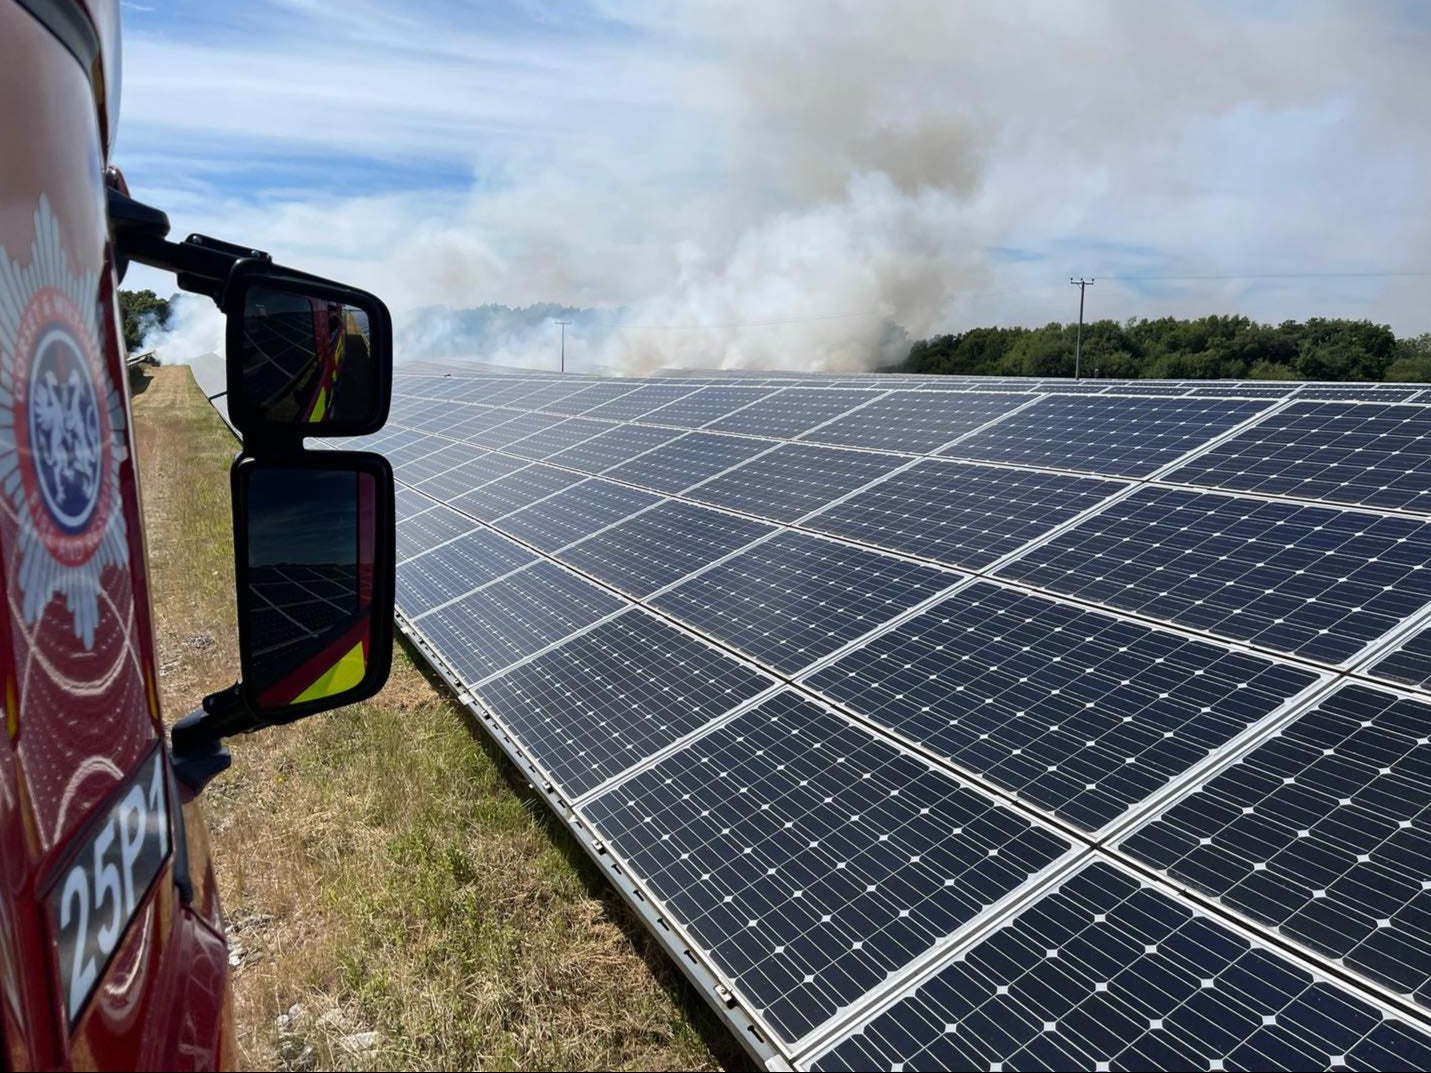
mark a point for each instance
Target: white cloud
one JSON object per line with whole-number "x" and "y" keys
{"x": 840, "y": 164}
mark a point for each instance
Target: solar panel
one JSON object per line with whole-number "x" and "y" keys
{"x": 918, "y": 423}
{"x": 1079, "y": 712}
{"x": 962, "y": 762}
{"x": 687, "y": 461}
{"x": 1307, "y": 580}
{"x": 1120, "y": 436}
{"x": 660, "y": 546}
{"x": 807, "y": 907}
{"x": 1108, "y": 974}
{"x": 1338, "y": 452}
{"x": 793, "y": 480}
{"x": 615, "y": 695}
{"x": 960, "y": 513}
{"x": 490, "y": 629}
{"x": 794, "y": 598}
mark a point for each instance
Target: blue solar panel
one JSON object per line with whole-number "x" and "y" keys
{"x": 917, "y": 423}
{"x": 765, "y": 837}
{"x": 576, "y": 512}
{"x": 515, "y": 490}
{"x": 794, "y": 598}
{"x": 959, "y": 513}
{"x": 793, "y": 480}
{"x": 454, "y": 568}
{"x": 1409, "y": 663}
{"x": 686, "y": 461}
{"x": 1308, "y": 580}
{"x": 1076, "y": 711}
{"x": 788, "y": 413}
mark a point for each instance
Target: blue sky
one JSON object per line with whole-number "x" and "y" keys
{"x": 729, "y": 163}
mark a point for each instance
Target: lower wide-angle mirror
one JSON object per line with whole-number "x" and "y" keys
{"x": 315, "y": 569}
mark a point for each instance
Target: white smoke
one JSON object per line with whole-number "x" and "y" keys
{"x": 195, "y": 327}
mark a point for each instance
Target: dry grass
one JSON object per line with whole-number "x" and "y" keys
{"x": 381, "y": 866}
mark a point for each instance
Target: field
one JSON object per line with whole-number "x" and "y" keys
{"x": 395, "y": 897}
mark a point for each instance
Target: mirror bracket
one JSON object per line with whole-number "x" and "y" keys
{"x": 196, "y": 741}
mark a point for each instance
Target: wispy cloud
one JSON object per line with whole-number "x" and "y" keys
{"x": 738, "y": 164}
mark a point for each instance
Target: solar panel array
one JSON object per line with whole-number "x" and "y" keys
{"x": 955, "y": 723}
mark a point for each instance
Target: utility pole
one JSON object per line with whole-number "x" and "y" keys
{"x": 563, "y": 324}
{"x": 1082, "y": 285}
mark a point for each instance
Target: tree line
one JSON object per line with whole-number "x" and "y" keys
{"x": 1205, "y": 348}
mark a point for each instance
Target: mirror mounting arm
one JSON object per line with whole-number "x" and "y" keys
{"x": 196, "y": 741}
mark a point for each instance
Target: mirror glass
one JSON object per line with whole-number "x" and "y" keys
{"x": 306, "y": 359}
{"x": 306, "y": 603}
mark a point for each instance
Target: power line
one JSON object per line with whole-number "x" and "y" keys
{"x": 1283, "y": 275}
{"x": 749, "y": 323}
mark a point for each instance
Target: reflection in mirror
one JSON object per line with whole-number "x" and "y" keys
{"x": 305, "y": 358}
{"x": 307, "y": 607}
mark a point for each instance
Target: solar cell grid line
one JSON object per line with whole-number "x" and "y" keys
{"x": 1115, "y": 436}
{"x": 614, "y": 696}
{"x": 401, "y": 454}
{"x": 1324, "y": 833}
{"x": 470, "y": 475}
{"x": 793, "y": 480}
{"x": 467, "y": 421}
{"x": 572, "y": 513}
{"x": 455, "y": 568}
{"x": 1108, "y": 974}
{"x": 1317, "y": 582}
{"x": 1335, "y": 452}
{"x": 515, "y": 490}
{"x": 703, "y": 406}
{"x": 960, "y": 513}
{"x": 592, "y": 396}
{"x": 429, "y": 528}
{"x": 915, "y": 422}
{"x": 658, "y": 547}
{"x": 860, "y": 878}
{"x": 537, "y": 393}
{"x": 795, "y": 598}
{"x": 1371, "y": 393}
{"x": 1078, "y": 713}
{"x": 407, "y": 502}
{"x": 554, "y": 438}
{"x": 641, "y": 401}
{"x": 495, "y": 626}
{"x": 1241, "y": 391}
{"x": 791, "y": 411}
{"x": 687, "y": 460}
{"x": 619, "y": 443}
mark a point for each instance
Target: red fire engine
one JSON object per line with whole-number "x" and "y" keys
{"x": 112, "y": 950}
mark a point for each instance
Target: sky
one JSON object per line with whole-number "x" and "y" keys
{"x": 806, "y": 184}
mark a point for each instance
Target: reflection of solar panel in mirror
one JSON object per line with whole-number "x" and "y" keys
{"x": 516, "y": 427}
{"x": 612, "y": 447}
{"x": 514, "y": 491}
{"x": 661, "y": 546}
{"x": 914, "y": 422}
{"x": 1076, "y": 711}
{"x": 960, "y": 513}
{"x": 1341, "y": 453}
{"x": 705, "y": 405}
{"x": 486, "y": 466}
{"x": 1107, "y": 974}
{"x": 1410, "y": 662}
{"x": 640, "y": 402}
{"x": 1120, "y": 436}
{"x": 1323, "y": 831}
{"x": 574, "y": 513}
{"x": 790, "y": 412}
{"x": 429, "y": 528}
{"x": 686, "y": 461}
{"x": 551, "y": 440}
{"x": 494, "y": 627}
{"x": 793, "y": 480}
{"x": 810, "y": 859}
{"x": 460, "y": 565}
{"x": 794, "y": 598}
{"x": 1317, "y": 582}
{"x": 615, "y": 695}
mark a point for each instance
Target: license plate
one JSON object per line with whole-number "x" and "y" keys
{"x": 102, "y": 886}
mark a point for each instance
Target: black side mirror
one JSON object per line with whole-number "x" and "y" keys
{"x": 306, "y": 357}
{"x": 314, "y": 544}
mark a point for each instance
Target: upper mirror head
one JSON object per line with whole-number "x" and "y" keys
{"x": 307, "y": 358}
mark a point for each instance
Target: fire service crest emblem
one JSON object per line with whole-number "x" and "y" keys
{"x": 62, "y": 433}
